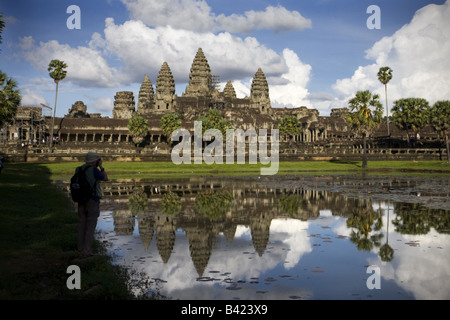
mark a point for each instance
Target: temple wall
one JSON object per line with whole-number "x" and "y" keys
{"x": 127, "y": 152}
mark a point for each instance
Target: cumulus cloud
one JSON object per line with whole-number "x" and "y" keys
{"x": 172, "y": 31}
{"x": 103, "y": 104}
{"x": 180, "y": 14}
{"x": 196, "y": 15}
{"x": 31, "y": 98}
{"x": 273, "y": 18}
{"x": 143, "y": 50}
{"x": 293, "y": 92}
{"x": 418, "y": 55}
{"x": 86, "y": 66}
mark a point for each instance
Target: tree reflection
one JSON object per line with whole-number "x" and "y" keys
{"x": 415, "y": 219}
{"x": 365, "y": 223}
{"x": 137, "y": 203}
{"x": 386, "y": 252}
{"x": 290, "y": 204}
{"x": 170, "y": 204}
{"x": 213, "y": 204}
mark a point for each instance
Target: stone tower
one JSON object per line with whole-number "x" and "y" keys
{"x": 78, "y": 110}
{"x": 229, "y": 91}
{"x": 200, "y": 78}
{"x": 165, "y": 90}
{"x": 260, "y": 92}
{"x": 146, "y": 99}
{"x": 123, "y": 105}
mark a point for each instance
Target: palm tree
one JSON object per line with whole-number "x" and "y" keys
{"x": 440, "y": 120}
{"x": 385, "y": 75}
{"x": 9, "y": 98}
{"x": 411, "y": 114}
{"x": 363, "y": 118}
{"x": 57, "y": 73}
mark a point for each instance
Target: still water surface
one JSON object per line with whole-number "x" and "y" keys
{"x": 226, "y": 238}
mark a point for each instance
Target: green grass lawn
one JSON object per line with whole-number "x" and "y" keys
{"x": 119, "y": 170}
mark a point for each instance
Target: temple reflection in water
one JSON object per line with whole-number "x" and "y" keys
{"x": 204, "y": 208}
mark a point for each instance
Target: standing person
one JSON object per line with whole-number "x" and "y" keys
{"x": 89, "y": 212}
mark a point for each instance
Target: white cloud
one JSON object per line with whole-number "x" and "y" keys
{"x": 196, "y": 15}
{"x": 137, "y": 49}
{"x": 144, "y": 49}
{"x": 102, "y": 105}
{"x": 26, "y": 43}
{"x": 30, "y": 98}
{"x": 418, "y": 55}
{"x": 86, "y": 66}
{"x": 181, "y": 14}
{"x": 293, "y": 91}
{"x": 273, "y": 18}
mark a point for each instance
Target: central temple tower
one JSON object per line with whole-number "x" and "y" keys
{"x": 200, "y": 78}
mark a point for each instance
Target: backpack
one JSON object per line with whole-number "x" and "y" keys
{"x": 80, "y": 188}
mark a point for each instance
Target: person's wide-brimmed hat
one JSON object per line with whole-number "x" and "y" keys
{"x": 91, "y": 157}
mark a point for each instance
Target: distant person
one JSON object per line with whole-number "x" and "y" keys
{"x": 89, "y": 212}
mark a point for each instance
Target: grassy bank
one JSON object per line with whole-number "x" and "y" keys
{"x": 119, "y": 170}
{"x": 38, "y": 222}
{"x": 38, "y": 226}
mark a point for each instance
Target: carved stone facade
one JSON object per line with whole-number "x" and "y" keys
{"x": 200, "y": 95}
{"x": 200, "y": 78}
{"x": 79, "y": 127}
{"x": 123, "y": 105}
{"x": 146, "y": 100}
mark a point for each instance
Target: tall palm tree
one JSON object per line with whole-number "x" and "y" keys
{"x": 385, "y": 75}
{"x": 9, "y": 98}
{"x": 57, "y": 73}
{"x": 362, "y": 118}
{"x": 440, "y": 120}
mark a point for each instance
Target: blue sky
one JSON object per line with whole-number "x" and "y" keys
{"x": 314, "y": 53}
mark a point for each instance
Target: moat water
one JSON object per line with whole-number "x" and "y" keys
{"x": 288, "y": 238}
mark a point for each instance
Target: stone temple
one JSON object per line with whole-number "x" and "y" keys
{"x": 200, "y": 95}
{"x": 321, "y": 137}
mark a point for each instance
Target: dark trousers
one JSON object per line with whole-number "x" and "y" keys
{"x": 88, "y": 214}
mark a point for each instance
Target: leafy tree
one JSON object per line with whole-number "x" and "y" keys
{"x": 410, "y": 114}
{"x": 365, "y": 116}
{"x": 9, "y": 98}
{"x": 214, "y": 204}
{"x": 384, "y": 76}
{"x": 440, "y": 120}
{"x": 290, "y": 125}
{"x": 169, "y": 123}
{"x": 138, "y": 127}
{"x": 57, "y": 73}
{"x": 213, "y": 119}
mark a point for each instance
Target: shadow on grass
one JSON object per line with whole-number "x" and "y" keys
{"x": 38, "y": 236}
